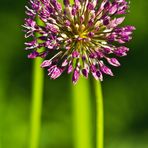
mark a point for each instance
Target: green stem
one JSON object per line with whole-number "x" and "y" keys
{"x": 82, "y": 114}
{"x": 36, "y": 109}
{"x": 99, "y": 115}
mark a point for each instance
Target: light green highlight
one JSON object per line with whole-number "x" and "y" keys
{"x": 82, "y": 114}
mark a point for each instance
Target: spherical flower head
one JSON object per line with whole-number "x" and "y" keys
{"x": 78, "y": 38}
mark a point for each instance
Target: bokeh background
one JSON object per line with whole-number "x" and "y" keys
{"x": 125, "y": 95}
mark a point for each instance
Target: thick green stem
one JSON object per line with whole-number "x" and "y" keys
{"x": 99, "y": 115}
{"x": 36, "y": 108}
{"x": 82, "y": 114}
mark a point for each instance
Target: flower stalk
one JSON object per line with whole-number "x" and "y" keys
{"x": 82, "y": 115}
{"x": 36, "y": 108}
{"x": 99, "y": 115}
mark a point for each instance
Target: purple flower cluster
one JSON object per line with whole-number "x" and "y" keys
{"x": 78, "y": 38}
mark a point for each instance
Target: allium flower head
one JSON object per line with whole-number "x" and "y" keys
{"x": 78, "y": 38}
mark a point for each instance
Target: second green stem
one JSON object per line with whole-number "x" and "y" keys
{"x": 99, "y": 115}
{"x": 36, "y": 108}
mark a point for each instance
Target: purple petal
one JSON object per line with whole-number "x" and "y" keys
{"x": 76, "y": 76}
{"x": 85, "y": 73}
{"x": 33, "y": 55}
{"x": 46, "y": 63}
{"x": 113, "y": 61}
{"x": 70, "y": 69}
{"x": 105, "y": 69}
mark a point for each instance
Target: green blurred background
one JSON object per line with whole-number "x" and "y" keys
{"x": 125, "y": 95}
